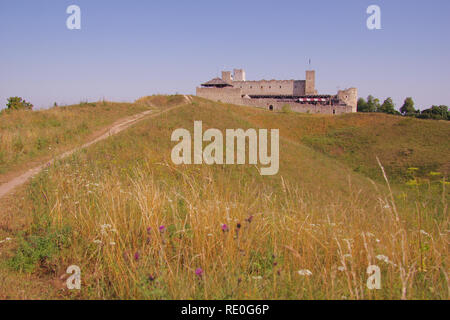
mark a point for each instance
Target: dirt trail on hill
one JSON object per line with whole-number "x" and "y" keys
{"x": 114, "y": 129}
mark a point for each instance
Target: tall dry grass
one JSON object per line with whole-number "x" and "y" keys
{"x": 140, "y": 227}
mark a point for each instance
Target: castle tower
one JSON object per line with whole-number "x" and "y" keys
{"x": 239, "y": 75}
{"x": 226, "y": 76}
{"x": 349, "y": 97}
{"x": 310, "y": 83}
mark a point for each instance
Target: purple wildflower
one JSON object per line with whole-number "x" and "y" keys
{"x": 137, "y": 256}
{"x": 162, "y": 229}
{"x": 149, "y": 229}
{"x": 199, "y": 272}
{"x": 225, "y": 228}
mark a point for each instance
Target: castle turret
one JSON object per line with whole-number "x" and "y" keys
{"x": 239, "y": 75}
{"x": 226, "y": 76}
{"x": 310, "y": 83}
{"x": 349, "y": 97}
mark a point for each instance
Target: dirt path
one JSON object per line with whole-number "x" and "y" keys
{"x": 114, "y": 129}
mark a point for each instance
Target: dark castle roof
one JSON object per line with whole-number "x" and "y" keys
{"x": 216, "y": 82}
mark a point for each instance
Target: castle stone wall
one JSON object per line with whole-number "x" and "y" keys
{"x": 228, "y": 95}
{"x": 271, "y": 87}
{"x": 277, "y": 105}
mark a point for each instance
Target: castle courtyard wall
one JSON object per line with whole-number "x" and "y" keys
{"x": 234, "y": 96}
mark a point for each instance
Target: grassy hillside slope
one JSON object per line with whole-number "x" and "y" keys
{"x": 356, "y": 139}
{"x": 140, "y": 227}
{"x": 38, "y": 135}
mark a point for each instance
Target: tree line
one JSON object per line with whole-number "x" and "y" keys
{"x": 408, "y": 109}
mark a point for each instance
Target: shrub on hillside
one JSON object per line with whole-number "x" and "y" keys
{"x": 435, "y": 113}
{"x": 17, "y": 103}
{"x": 286, "y": 108}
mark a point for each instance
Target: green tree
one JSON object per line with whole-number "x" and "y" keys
{"x": 373, "y": 104}
{"x": 17, "y": 103}
{"x": 388, "y": 107}
{"x": 408, "y": 107}
{"x": 362, "y": 105}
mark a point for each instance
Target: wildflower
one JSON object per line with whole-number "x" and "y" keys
{"x": 137, "y": 256}
{"x": 97, "y": 242}
{"x": 341, "y": 268}
{"x": 149, "y": 229}
{"x": 199, "y": 272}
{"x": 347, "y": 255}
{"x": 162, "y": 229}
{"x": 104, "y": 228}
{"x": 238, "y": 226}
{"x": 257, "y": 278}
{"x": 225, "y": 228}
{"x": 384, "y": 259}
{"x": 304, "y": 272}
{"x": 112, "y": 243}
{"x": 151, "y": 278}
{"x": 249, "y": 219}
{"x": 424, "y": 233}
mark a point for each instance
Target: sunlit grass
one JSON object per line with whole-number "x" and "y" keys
{"x": 140, "y": 227}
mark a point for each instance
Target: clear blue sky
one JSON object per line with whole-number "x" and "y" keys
{"x": 128, "y": 49}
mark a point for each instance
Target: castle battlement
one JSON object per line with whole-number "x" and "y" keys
{"x": 301, "y": 95}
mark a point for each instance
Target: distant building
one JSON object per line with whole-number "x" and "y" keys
{"x": 300, "y": 95}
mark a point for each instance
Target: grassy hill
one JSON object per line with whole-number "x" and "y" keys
{"x": 141, "y": 227}
{"x": 39, "y": 135}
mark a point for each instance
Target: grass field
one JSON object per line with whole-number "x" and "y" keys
{"x": 38, "y": 135}
{"x": 141, "y": 228}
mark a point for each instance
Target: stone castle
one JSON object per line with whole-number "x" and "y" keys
{"x": 300, "y": 95}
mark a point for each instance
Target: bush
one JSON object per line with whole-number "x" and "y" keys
{"x": 286, "y": 108}
{"x": 17, "y": 103}
{"x": 436, "y": 113}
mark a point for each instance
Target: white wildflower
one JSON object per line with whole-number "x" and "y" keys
{"x": 97, "y": 241}
{"x": 341, "y": 268}
{"x": 257, "y": 278}
{"x": 384, "y": 259}
{"x": 425, "y": 233}
{"x": 304, "y": 272}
